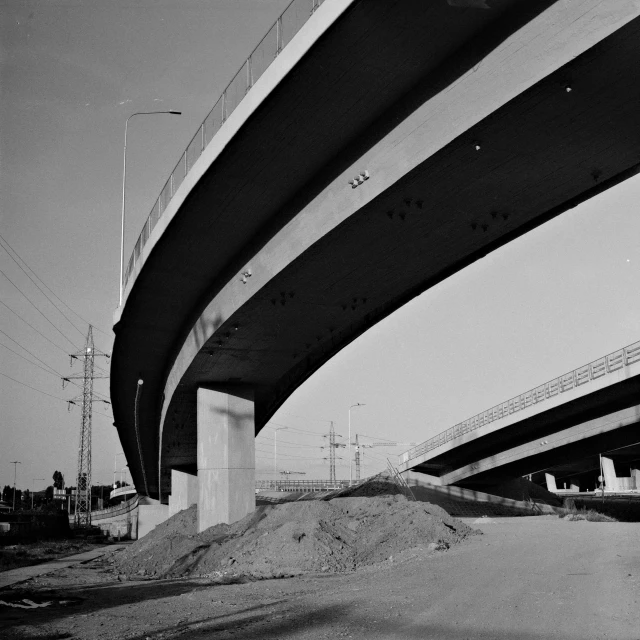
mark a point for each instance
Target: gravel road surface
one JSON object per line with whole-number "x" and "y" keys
{"x": 528, "y": 578}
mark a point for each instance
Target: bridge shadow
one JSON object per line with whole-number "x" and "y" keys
{"x": 267, "y": 621}
{"x": 90, "y": 599}
{"x": 262, "y": 621}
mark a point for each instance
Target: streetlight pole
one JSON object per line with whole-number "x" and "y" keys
{"x": 15, "y": 464}
{"x": 33, "y": 488}
{"x": 357, "y": 404}
{"x": 123, "y": 473}
{"x": 275, "y": 450}
{"x": 124, "y": 182}
{"x": 115, "y": 466}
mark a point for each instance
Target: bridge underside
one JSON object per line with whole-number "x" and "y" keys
{"x": 571, "y": 452}
{"x": 580, "y": 473}
{"x": 603, "y": 419}
{"x": 572, "y": 134}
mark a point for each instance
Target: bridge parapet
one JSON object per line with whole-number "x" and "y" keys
{"x": 584, "y": 374}
{"x": 281, "y": 33}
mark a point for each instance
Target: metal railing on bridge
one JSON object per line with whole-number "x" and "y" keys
{"x": 576, "y": 378}
{"x": 300, "y": 485}
{"x": 281, "y": 33}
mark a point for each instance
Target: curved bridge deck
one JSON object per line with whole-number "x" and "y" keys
{"x": 472, "y": 127}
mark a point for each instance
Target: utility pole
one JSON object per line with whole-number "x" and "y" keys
{"x": 359, "y": 455}
{"x": 83, "y": 481}
{"x": 353, "y": 406}
{"x": 33, "y": 490}
{"x": 332, "y": 452}
{"x": 15, "y": 464}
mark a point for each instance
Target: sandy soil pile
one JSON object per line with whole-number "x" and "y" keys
{"x": 376, "y": 486}
{"x": 288, "y": 539}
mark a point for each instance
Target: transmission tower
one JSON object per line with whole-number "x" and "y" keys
{"x": 86, "y": 400}
{"x": 332, "y": 452}
{"x": 359, "y": 454}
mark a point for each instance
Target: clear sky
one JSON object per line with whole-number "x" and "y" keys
{"x": 71, "y": 71}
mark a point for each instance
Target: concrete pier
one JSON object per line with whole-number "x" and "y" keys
{"x": 226, "y": 456}
{"x": 551, "y": 482}
{"x": 184, "y": 491}
{"x": 609, "y": 472}
{"x": 151, "y": 513}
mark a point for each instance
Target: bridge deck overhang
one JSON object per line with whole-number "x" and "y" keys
{"x": 539, "y": 422}
{"x": 464, "y": 122}
{"x": 576, "y": 447}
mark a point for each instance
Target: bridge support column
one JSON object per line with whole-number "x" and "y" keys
{"x": 226, "y": 456}
{"x": 609, "y": 472}
{"x": 551, "y": 482}
{"x": 635, "y": 479}
{"x": 184, "y": 491}
{"x": 151, "y": 513}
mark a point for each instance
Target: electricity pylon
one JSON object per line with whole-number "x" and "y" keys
{"x": 333, "y": 445}
{"x": 83, "y": 482}
{"x": 359, "y": 455}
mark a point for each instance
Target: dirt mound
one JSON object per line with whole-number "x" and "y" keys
{"x": 377, "y": 486}
{"x": 289, "y": 539}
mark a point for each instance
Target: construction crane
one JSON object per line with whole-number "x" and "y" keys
{"x": 359, "y": 455}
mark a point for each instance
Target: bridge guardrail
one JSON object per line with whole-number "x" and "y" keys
{"x": 110, "y": 512}
{"x": 582, "y": 375}
{"x": 281, "y": 33}
{"x": 300, "y": 485}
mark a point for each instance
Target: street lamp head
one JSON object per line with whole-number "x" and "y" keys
{"x": 175, "y": 113}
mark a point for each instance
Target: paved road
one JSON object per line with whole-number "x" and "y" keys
{"x": 14, "y": 576}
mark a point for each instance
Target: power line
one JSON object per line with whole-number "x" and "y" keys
{"x": 297, "y": 415}
{"x": 29, "y": 361}
{"x": 51, "y": 373}
{"x": 279, "y": 424}
{"x": 36, "y": 284}
{"x": 44, "y": 393}
{"x": 36, "y": 330}
{"x": 295, "y": 444}
{"x": 3, "y": 241}
{"x": 290, "y": 455}
{"x": 50, "y": 369}
{"x": 36, "y": 308}
{"x": 27, "y": 350}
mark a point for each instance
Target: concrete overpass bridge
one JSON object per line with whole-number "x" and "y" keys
{"x": 560, "y": 428}
{"x": 366, "y": 151}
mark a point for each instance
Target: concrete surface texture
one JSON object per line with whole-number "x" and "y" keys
{"x": 531, "y": 578}
{"x": 184, "y": 491}
{"x": 226, "y": 456}
{"x": 150, "y": 514}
